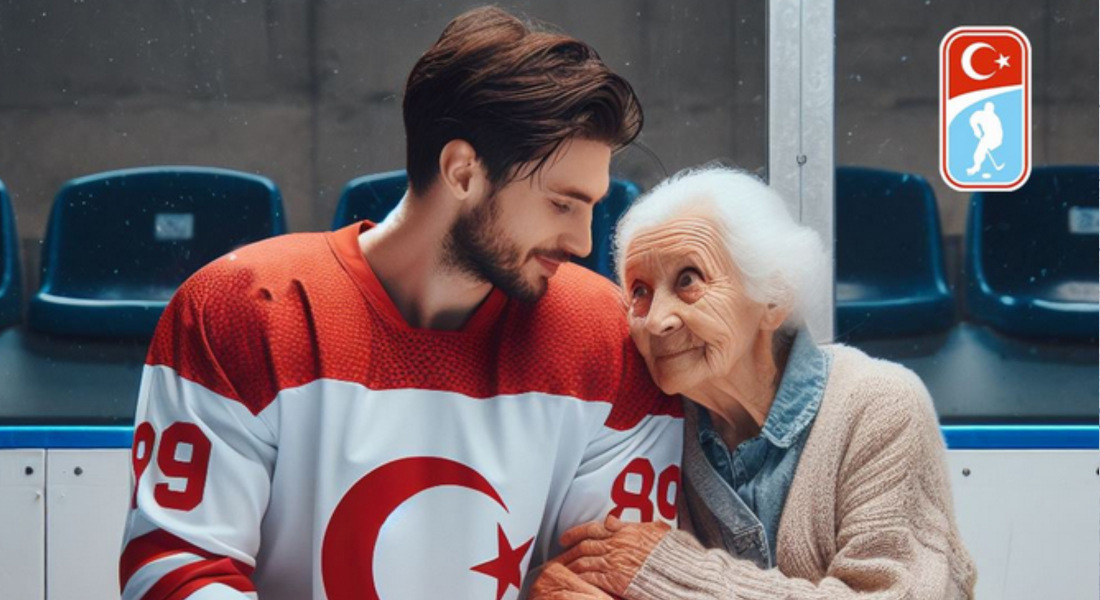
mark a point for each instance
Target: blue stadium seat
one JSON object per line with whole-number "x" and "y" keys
{"x": 374, "y": 196}
{"x": 11, "y": 276}
{"x": 1032, "y": 255}
{"x": 622, "y": 194}
{"x": 889, "y": 262}
{"x": 119, "y": 243}
{"x": 370, "y": 197}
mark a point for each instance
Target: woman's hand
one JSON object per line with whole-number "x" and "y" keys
{"x": 558, "y": 583}
{"x": 609, "y": 554}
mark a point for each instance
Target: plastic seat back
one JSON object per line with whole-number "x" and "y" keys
{"x": 1032, "y": 254}
{"x": 121, "y": 242}
{"x": 11, "y": 274}
{"x": 890, "y": 277}
{"x": 370, "y": 197}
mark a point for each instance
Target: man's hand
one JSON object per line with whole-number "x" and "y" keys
{"x": 558, "y": 583}
{"x": 609, "y": 554}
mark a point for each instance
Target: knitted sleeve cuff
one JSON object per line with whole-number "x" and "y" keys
{"x": 679, "y": 567}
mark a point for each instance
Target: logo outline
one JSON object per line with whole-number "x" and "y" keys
{"x": 1025, "y": 125}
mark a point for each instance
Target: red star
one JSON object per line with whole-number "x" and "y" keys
{"x": 505, "y": 567}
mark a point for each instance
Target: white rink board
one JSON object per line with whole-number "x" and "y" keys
{"x": 86, "y": 514}
{"x": 1031, "y": 520}
{"x": 22, "y": 524}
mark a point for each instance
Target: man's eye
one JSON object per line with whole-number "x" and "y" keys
{"x": 639, "y": 292}
{"x": 688, "y": 278}
{"x": 561, "y": 207}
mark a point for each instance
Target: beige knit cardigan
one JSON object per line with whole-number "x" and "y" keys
{"x": 869, "y": 512}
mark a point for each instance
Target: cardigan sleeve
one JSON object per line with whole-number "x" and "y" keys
{"x": 896, "y": 536}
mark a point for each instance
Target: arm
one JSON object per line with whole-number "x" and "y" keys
{"x": 894, "y": 535}
{"x": 975, "y": 124}
{"x": 202, "y": 465}
{"x": 558, "y": 583}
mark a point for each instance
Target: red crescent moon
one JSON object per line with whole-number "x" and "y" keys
{"x": 347, "y": 551}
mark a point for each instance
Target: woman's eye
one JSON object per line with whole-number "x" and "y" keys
{"x": 639, "y": 300}
{"x": 688, "y": 278}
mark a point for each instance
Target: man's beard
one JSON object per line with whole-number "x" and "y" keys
{"x": 475, "y": 245}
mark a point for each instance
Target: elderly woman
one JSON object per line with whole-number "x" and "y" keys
{"x": 808, "y": 472}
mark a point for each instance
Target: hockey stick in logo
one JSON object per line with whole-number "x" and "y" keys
{"x": 993, "y": 160}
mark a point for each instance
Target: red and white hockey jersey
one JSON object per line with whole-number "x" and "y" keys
{"x": 296, "y": 439}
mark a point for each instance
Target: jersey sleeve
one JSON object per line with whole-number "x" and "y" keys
{"x": 202, "y": 463}
{"x": 631, "y": 465}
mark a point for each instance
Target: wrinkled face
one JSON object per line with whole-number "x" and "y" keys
{"x": 688, "y": 311}
{"x": 517, "y": 237}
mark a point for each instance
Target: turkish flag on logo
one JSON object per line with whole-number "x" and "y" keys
{"x": 984, "y": 59}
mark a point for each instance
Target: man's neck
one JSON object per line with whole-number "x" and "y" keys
{"x": 406, "y": 253}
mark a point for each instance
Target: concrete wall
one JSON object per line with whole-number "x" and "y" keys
{"x": 308, "y": 92}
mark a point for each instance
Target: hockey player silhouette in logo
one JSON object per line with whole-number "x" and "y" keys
{"x": 987, "y": 128}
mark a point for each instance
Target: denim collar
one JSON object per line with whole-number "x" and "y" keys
{"x": 797, "y": 399}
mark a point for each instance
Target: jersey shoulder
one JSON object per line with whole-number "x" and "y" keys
{"x": 576, "y": 339}
{"x": 592, "y": 305}
{"x": 249, "y": 323}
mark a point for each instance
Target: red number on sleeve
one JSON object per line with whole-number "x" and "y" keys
{"x": 625, "y": 499}
{"x": 668, "y": 486}
{"x": 141, "y": 454}
{"x": 192, "y": 470}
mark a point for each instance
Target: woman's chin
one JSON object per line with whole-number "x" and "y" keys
{"x": 672, "y": 384}
{"x": 668, "y": 389}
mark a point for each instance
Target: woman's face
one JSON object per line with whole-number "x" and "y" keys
{"x": 688, "y": 311}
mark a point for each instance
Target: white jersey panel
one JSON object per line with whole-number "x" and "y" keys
{"x": 411, "y": 493}
{"x": 527, "y": 447}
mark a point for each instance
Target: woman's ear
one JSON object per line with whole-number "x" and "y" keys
{"x": 461, "y": 172}
{"x": 775, "y": 314}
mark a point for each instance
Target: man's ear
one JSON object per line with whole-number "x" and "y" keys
{"x": 461, "y": 171}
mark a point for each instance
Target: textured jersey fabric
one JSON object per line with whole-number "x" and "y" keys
{"x": 295, "y": 438}
{"x": 869, "y": 513}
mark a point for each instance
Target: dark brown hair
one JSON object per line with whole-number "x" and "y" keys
{"x": 515, "y": 93}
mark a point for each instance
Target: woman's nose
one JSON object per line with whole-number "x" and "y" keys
{"x": 663, "y": 318}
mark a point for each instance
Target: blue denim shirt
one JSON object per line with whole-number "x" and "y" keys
{"x": 760, "y": 470}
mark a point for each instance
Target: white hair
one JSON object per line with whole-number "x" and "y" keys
{"x": 780, "y": 261}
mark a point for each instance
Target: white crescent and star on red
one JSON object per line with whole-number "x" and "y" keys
{"x": 347, "y": 551}
{"x": 968, "y": 61}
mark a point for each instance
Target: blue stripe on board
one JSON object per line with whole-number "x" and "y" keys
{"x": 66, "y": 436}
{"x": 1021, "y": 437}
{"x": 957, "y": 437}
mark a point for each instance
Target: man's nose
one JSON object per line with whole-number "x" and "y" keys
{"x": 578, "y": 240}
{"x": 663, "y": 318}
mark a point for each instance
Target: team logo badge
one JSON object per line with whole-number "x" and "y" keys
{"x": 985, "y": 108}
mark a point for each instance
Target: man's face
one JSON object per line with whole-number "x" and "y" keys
{"x": 517, "y": 237}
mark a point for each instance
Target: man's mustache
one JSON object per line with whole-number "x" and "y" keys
{"x": 556, "y": 255}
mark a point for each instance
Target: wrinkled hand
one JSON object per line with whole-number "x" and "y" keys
{"x": 558, "y": 583}
{"x": 609, "y": 554}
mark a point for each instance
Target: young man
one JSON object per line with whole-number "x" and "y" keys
{"x": 416, "y": 409}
